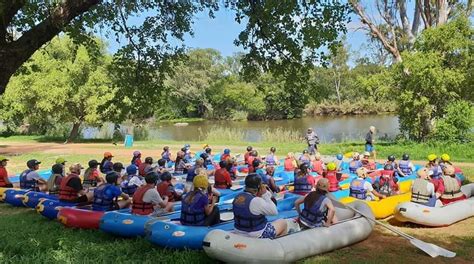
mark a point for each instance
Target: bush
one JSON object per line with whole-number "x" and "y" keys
{"x": 456, "y": 124}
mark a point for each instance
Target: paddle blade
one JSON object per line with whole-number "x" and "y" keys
{"x": 431, "y": 249}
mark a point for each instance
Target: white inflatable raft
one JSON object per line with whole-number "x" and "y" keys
{"x": 438, "y": 216}
{"x": 234, "y": 248}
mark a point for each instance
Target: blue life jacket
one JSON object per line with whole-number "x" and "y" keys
{"x": 270, "y": 160}
{"x": 244, "y": 220}
{"x": 354, "y": 165}
{"x": 190, "y": 214}
{"x": 166, "y": 156}
{"x": 108, "y": 166}
{"x": 305, "y": 160}
{"x": 101, "y": 201}
{"x": 313, "y": 215}
{"x": 191, "y": 174}
{"x": 28, "y": 184}
{"x": 404, "y": 167}
{"x": 127, "y": 187}
{"x": 357, "y": 190}
{"x": 302, "y": 185}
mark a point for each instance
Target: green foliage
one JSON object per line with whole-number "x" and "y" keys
{"x": 456, "y": 124}
{"x": 358, "y": 107}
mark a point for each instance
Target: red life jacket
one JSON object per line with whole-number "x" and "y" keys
{"x": 138, "y": 206}
{"x": 142, "y": 168}
{"x": 387, "y": 186}
{"x": 225, "y": 157}
{"x": 3, "y": 175}
{"x": 289, "y": 166}
{"x": 66, "y": 192}
{"x": 333, "y": 182}
{"x": 163, "y": 189}
{"x": 368, "y": 165}
{"x": 220, "y": 178}
{"x": 387, "y": 173}
{"x": 318, "y": 166}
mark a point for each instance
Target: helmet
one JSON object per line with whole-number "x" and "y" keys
{"x": 388, "y": 167}
{"x": 445, "y": 157}
{"x": 57, "y": 169}
{"x": 317, "y": 156}
{"x": 355, "y": 155}
{"x": 304, "y": 167}
{"x": 93, "y": 163}
{"x": 118, "y": 166}
{"x": 254, "y": 153}
{"x": 366, "y": 154}
{"x": 108, "y": 155}
{"x": 273, "y": 149}
{"x": 31, "y": 163}
{"x": 305, "y": 151}
{"x": 391, "y": 158}
{"x": 331, "y": 166}
{"x": 253, "y": 181}
{"x": 208, "y": 150}
{"x": 166, "y": 176}
{"x": 111, "y": 177}
{"x": 166, "y": 148}
{"x": 323, "y": 184}
{"x": 226, "y": 151}
{"x": 60, "y": 161}
{"x": 136, "y": 153}
{"x": 432, "y": 157}
{"x": 249, "y": 148}
{"x": 132, "y": 169}
{"x": 149, "y": 160}
{"x": 405, "y": 156}
{"x": 255, "y": 163}
{"x": 205, "y": 146}
{"x": 187, "y": 146}
{"x": 339, "y": 156}
{"x": 424, "y": 173}
{"x": 362, "y": 172}
{"x": 151, "y": 177}
{"x": 200, "y": 181}
{"x": 448, "y": 170}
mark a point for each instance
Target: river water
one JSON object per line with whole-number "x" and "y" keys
{"x": 328, "y": 128}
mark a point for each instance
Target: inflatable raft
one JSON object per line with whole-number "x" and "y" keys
{"x": 229, "y": 247}
{"x": 3, "y": 190}
{"x": 50, "y": 208}
{"x": 14, "y": 197}
{"x": 31, "y": 199}
{"x": 438, "y": 216}
{"x": 83, "y": 218}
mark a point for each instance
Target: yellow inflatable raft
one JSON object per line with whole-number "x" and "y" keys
{"x": 384, "y": 208}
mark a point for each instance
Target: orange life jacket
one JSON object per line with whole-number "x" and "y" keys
{"x": 333, "y": 182}
{"x": 66, "y": 192}
{"x": 318, "y": 166}
{"x": 163, "y": 189}
{"x": 139, "y": 207}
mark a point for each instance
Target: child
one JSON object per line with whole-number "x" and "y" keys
{"x": 132, "y": 180}
{"x": 290, "y": 162}
{"x": 4, "y": 181}
{"x": 92, "y": 177}
{"x": 166, "y": 189}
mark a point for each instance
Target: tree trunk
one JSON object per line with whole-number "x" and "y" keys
{"x": 74, "y": 132}
{"x": 405, "y": 21}
{"x": 442, "y": 14}
{"x": 14, "y": 54}
{"x": 416, "y": 19}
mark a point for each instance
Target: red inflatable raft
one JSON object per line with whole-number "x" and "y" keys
{"x": 79, "y": 218}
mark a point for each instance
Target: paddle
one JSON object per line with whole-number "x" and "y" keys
{"x": 430, "y": 249}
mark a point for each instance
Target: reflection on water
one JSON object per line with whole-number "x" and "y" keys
{"x": 329, "y": 128}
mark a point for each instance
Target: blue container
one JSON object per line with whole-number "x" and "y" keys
{"x": 32, "y": 199}
{"x": 128, "y": 142}
{"x": 14, "y": 197}
{"x": 50, "y": 208}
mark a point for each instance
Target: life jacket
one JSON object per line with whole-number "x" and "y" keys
{"x": 333, "y": 182}
{"x": 225, "y": 157}
{"x": 387, "y": 173}
{"x": 244, "y": 220}
{"x": 219, "y": 179}
{"x": 166, "y": 156}
{"x": 246, "y": 157}
{"x": 107, "y": 167}
{"x": 368, "y": 165}
{"x": 302, "y": 185}
{"x": 289, "y": 166}
{"x": 357, "y": 189}
{"x": 437, "y": 171}
{"x": 404, "y": 167}
{"x": 387, "y": 186}
{"x": 270, "y": 160}
{"x": 136, "y": 161}
{"x": 163, "y": 189}
{"x": 54, "y": 190}
{"x": 452, "y": 190}
{"x": 101, "y": 201}
{"x": 419, "y": 191}
{"x": 28, "y": 184}
{"x": 313, "y": 215}
{"x": 191, "y": 174}
{"x": 90, "y": 179}
{"x": 190, "y": 214}
{"x": 127, "y": 187}
{"x": 67, "y": 193}
{"x": 142, "y": 169}
{"x": 305, "y": 160}
{"x": 139, "y": 207}
{"x": 250, "y": 160}
{"x": 3, "y": 171}
{"x": 318, "y": 166}
{"x": 354, "y": 165}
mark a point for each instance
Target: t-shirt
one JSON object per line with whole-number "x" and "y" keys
{"x": 260, "y": 206}
{"x": 438, "y": 184}
{"x": 32, "y": 175}
{"x": 75, "y": 183}
{"x": 369, "y": 138}
{"x": 111, "y": 192}
{"x": 3, "y": 173}
{"x": 152, "y": 196}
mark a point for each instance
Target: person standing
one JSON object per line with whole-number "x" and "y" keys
{"x": 312, "y": 139}
{"x": 370, "y": 140}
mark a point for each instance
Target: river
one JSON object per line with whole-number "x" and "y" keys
{"x": 329, "y": 128}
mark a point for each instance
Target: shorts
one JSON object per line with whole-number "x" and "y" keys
{"x": 158, "y": 212}
{"x": 268, "y": 232}
{"x": 369, "y": 147}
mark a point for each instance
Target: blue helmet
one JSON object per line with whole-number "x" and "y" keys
{"x": 132, "y": 169}
{"x": 226, "y": 151}
{"x": 187, "y": 146}
{"x": 339, "y": 156}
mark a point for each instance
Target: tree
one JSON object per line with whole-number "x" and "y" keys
{"x": 62, "y": 83}
{"x": 278, "y": 34}
{"x": 338, "y": 59}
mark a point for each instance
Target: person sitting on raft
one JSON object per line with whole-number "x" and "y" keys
{"x": 340, "y": 164}
{"x": 331, "y": 175}
{"x": 256, "y": 167}
{"x": 251, "y": 208}
{"x": 366, "y": 163}
{"x": 180, "y": 164}
{"x": 452, "y": 186}
{"x": 166, "y": 189}
{"x": 106, "y": 195}
{"x": 247, "y": 154}
{"x": 30, "y": 179}
{"x": 145, "y": 167}
{"x": 198, "y": 207}
{"x": 305, "y": 158}
{"x": 317, "y": 164}
{"x": 355, "y": 163}
{"x": 445, "y": 160}
{"x": 207, "y": 159}
{"x": 271, "y": 181}
{"x": 405, "y": 167}
{"x": 192, "y": 172}
{"x": 71, "y": 189}
{"x": 55, "y": 179}
{"x": 290, "y": 162}
{"x": 362, "y": 189}
{"x": 435, "y": 168}
{"x": 92, "y": 178}
{"x": 137, "y": 158}
{"x": 62, "y": 162}
{"x": 226, "y": 155}
{"x": 422, "y": 189}
{"x": 222, "y": 179}
{"x": 253, "y": 156}
{"x": 131, "y": 181}
{"x": 147, "y": 199}
{"x": 271, "y": 159}
{"x": 391, "y": 161}
{"x": 4, "y": 181}
{"x": 166, "y": 154}
{"x": 304, "y": 182}
{"x": 318, "y": 210}
{"x": 106, "y": 164}
{"x": 387, "y": 182}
